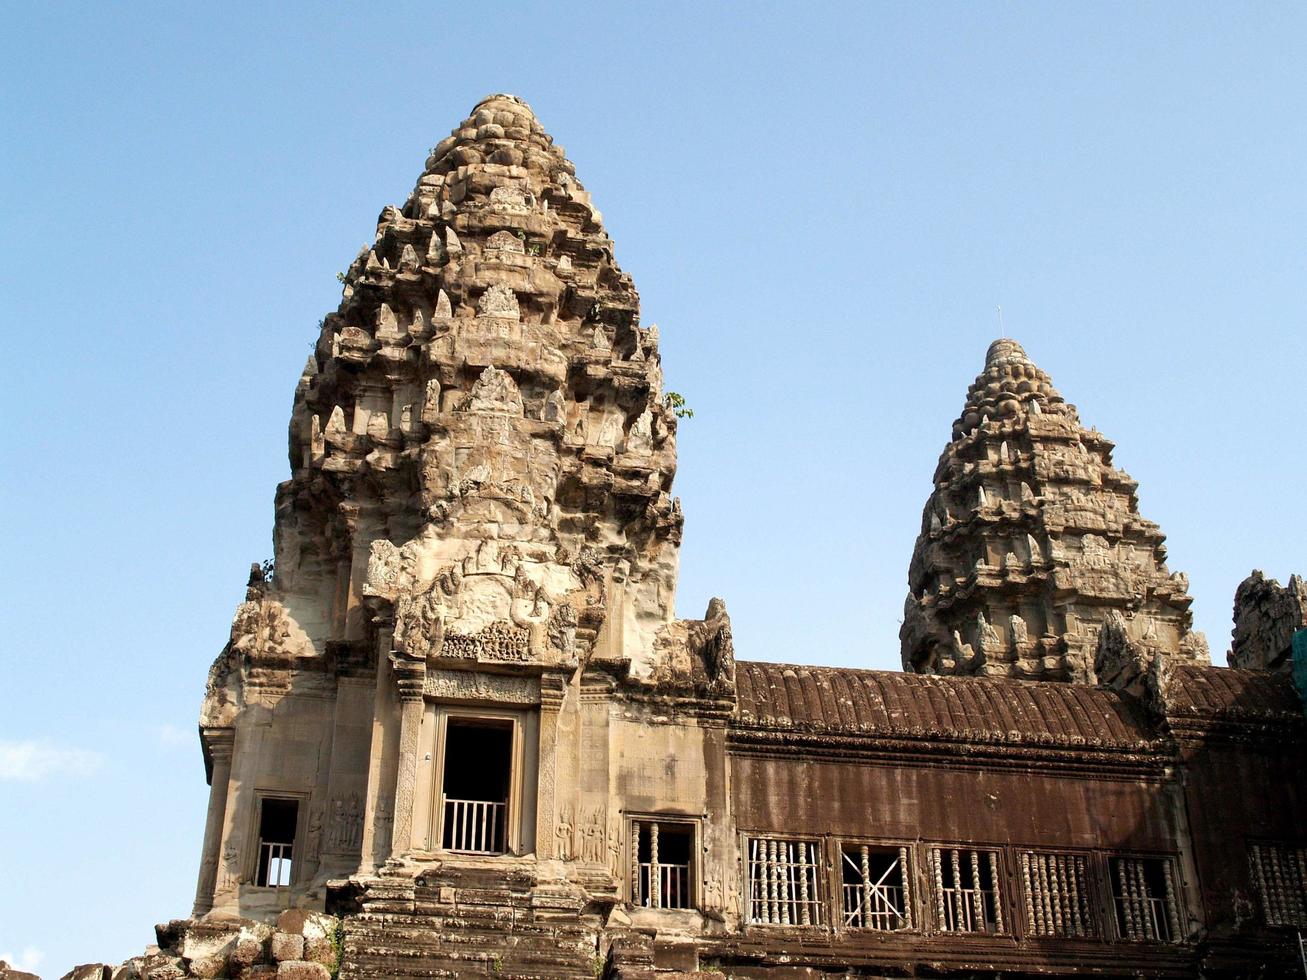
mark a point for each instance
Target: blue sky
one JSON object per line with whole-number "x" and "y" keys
{"x": 821, "y": 205}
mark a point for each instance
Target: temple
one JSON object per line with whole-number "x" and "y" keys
{"x": 458, "y": 731}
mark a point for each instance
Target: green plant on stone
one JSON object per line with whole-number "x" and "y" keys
{"x": 340, "y": 277}
{"x": 675, "y": 401}
{"x": 337, "y": 948}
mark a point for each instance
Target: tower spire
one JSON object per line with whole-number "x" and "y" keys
{"x": 1032, "y": 541}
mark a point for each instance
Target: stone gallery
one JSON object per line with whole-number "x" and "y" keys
{"x": 458, "y": 731}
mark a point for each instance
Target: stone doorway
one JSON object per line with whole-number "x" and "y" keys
{"x": 475, "y": 789}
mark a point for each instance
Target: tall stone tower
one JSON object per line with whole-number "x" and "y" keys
{"x": 1032, "y": 540}
{"x": 478, "y": 511}
{"x": 480, "y": 437}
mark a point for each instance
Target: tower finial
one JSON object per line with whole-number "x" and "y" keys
{"x": 1002, "y": 331}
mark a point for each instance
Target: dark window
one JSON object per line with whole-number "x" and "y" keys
{"x": 278, "y": 819}
{"x": 1143, "y": 895}
{"x": 966, "y": 890}
{"x": 1057, "y": 895}
{"x": 784, "y": 882}
{"x": 663, "y": 875}
{"x": 1280, "y": 874}
{"x": 478, "y": 771}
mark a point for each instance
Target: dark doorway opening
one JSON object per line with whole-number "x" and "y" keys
{"x": 478, "y": 769}
{"x": 278, "y": 820}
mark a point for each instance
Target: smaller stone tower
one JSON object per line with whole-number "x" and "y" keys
{"x": 1032, "y": 540}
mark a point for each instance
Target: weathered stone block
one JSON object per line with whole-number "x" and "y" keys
{"x": 287, "y": 946}
{"x": 302, "y": 970}
{"x": 248, "y": 952}
{"x": 208, "y": 967}
{"x": 320, "y": 950}
{"x": 88, "y": 971}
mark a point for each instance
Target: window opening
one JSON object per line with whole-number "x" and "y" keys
{"x": 662, "y": 875}
{"x": 1280, "y": 874}
{"x": 478, "y": 766}
{"x": 875, "y": 887}
{"x": 1057, "y": 895}
{"x": 783, "y": 882}
{"x": 1143, "y": 894}
{"x": 277, "y": 824}
{"x": 966, "y": 890}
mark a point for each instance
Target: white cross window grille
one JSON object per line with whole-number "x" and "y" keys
{"x": 874, "y": 888}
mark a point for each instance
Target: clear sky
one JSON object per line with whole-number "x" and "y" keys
{"x": 821, "y": 205}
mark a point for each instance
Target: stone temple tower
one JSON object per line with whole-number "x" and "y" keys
{"x": 1032, "y": 541}
{"x": 478, "y": 508}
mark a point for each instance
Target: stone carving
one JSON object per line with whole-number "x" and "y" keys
{"x": 313, "y": 838}
{"x": 554, "y": 409}
{"x": 1266, "y": 616}
{"x": 384, "y": 823}
{"x": 498, "y": 301}
{"x": 594, "y": 843}
{"x": 498, "y": 641}
{"x": 711, "y": 640}
{"x": 1016, "y": 432}
{"x": 231, "y": 876}
{"x": 639, "y": 441}
{"x": 345, "y": 831}
{"x": 563, "y": 832}
{"x": 461, "y": 685}
{"x": 610, "y": 429}
{"x": 1017, "y": 630}
{"x": 505, "y": 241}
{"x": 495, "y": 392}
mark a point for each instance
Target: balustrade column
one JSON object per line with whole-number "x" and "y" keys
{"x": 218, "y": 742}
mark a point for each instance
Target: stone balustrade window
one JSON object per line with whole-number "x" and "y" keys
{"x": 1144, "y": 899}
{"x": 1057, "y": 894}
{"x": 1280, "y": 875}
{"x": 278, "y": 824}
{"x": 967, "y": 894}
{"x": 874, "y": 887}
{"x": 784, "y": 881}
{"x": 662, "y": 873}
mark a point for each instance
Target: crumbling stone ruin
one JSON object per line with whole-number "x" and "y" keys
{"x": 457, "y": 730}
{"x": 1266, "y": 616}
{"x": 1032, "y": 540}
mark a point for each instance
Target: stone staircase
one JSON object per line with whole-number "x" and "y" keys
{"x": 470, "y": 918}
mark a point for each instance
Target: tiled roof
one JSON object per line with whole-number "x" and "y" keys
{"x": 844, "y": 701}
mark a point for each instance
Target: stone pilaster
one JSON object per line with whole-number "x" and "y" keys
{"x": 410, "y": 676}
{"x": 218, "y": 743}
{"x": 553, "y": 691}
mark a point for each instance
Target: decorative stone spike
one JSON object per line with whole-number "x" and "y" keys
{"x": 443, "y": 309}
{"x": 452, "y": 245}
{"x": 408, "y": 259}
{"x": 1085, "y": 510}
